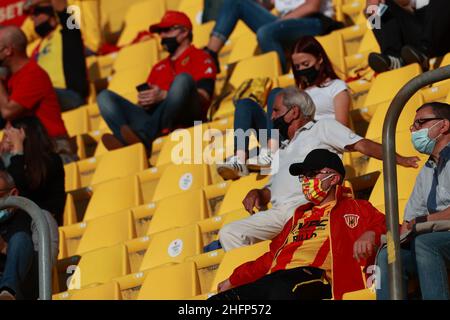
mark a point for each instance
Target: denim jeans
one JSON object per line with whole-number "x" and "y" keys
{"x": 249, "y": 115}
{"x": 19, "y": 262}
{"x": 429, "y": 259}
{"x": 181, "y": 108}
{"x": 273, "y": 34}
{"x": 69, "y": 99}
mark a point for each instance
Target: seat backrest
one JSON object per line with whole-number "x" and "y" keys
{"x": 387, "y": 84}
{"x": 179, "y": 211}
{"x": 138, "y": 18}
{"x": 137, "y": 55}
{"x": 170, "y": 283}
{"x": 333, "y": 45}
{"x": 100, "y": 266}
{"x": 76, "y": 121}
{"x": 243, "y": 48}
{"x": 107, "y": 231}
{"x": 237, "y": 192}
{"x": 125, "y": 81}
{"x": 114, "y": 196}
{"x": 108, "y": 291}
{"x": 235, "y": 258}
{"x": 177, "y": 179}
{"x": 265, "y": 65}
{"x": 72, "y": 181}
{"x": 172, "y": 246}
{"x": 121, "y": 163}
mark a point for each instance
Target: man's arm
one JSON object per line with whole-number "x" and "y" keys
{"x": 306, "y": 9}
{"x": 8, "y": 108}
{"x": 375, "y": 150}
{"x": 441, "y": 215}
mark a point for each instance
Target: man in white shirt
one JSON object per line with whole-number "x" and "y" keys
{"x": 293, "y": 115}
{"x": 410, "y": 31}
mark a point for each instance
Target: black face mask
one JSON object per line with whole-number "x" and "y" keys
{"x": 44, "y": 29}
{"x": 309, "y": 75}
{"x": 282, "y": 126}
{"x": 170, "y": 44}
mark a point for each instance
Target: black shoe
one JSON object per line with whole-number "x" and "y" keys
{"x": 214, "y": 56}
{"x": 382, "y": 62}
{"x": 412, "y": 55}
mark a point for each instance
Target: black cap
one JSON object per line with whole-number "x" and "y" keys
{"x": 317, "y": 160}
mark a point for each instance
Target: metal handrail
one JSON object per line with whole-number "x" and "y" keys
{"x": 45, "y": 265}
{"x": 390, "y": 172}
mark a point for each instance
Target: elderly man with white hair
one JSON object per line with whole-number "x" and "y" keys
{"x": 293, "y": 116}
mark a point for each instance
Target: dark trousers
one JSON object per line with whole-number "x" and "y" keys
{"x": 180, "y": 109}
{"x": 282, "y": 285}
{"x": 427, "y": 29}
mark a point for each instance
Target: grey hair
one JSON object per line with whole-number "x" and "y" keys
{"x": 13, "y": 36}
{"x": 9, "y": 181}
{"x": 294, "y": 97}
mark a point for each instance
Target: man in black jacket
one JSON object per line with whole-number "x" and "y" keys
{"x": 61, "y": 51}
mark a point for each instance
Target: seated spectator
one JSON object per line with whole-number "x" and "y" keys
{"x": 28, "y": 156}
{"x": 321, "y": 249}
{"x": 410, "y": 31}
{"x": 61, "y": 51}
{"x": 313, "y": 73}
{"x": 275, "y": 33}
{"x": 177, "y": 93}
{"x": 293, "y": 115}
{"x": 16, "y": 246}
{"x": 427, "y": 255}
{"x": 28, "y": 91}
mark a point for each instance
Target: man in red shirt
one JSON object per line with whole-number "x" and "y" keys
{"x": 177, "y": 93}
{"x": 27, "y": 90}
{"x": 320, "y": 252}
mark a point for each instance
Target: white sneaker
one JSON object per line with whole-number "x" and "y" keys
{"x": 6, "y": 295}
{"x": 232, "y": 169}
{"x": 262, "y": 161}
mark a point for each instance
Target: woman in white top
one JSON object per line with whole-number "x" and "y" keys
{"x": 275, "y": 33}
{"x": 313, "y": 72}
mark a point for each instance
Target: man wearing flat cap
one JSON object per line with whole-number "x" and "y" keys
{"x": 177, "y": 92}
{"x": 320, "y": 251}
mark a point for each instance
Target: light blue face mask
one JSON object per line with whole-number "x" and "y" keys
{"x": 6, "y": 158}
{"x": 5, "y": 214}
{"x": 422, "y": 142}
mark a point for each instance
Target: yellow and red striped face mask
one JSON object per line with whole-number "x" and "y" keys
{"x": 313, "y": 190}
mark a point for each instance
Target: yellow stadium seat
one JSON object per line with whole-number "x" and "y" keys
{"x": 76, "y": 121}
{"x": 100, "y": 266}
{"x": 334, "y": 47}
{"x": 170, "y": 283}
{"x": 120, "y": 163}
{"x": 365, "y": 294}
{"x": 99, "y": 233}
{"x": 148, "y": 181}
{"x": 238, "y": 190}
{"x": 202, "y": 34}
{"x": 108, "y": 291}
{"x": 235, "y": 258}
{"x": 193, "y": 9}
{"x": 183, "y": 144}
{"x": 386, "y": 85}
{"x": 172, "y": 246}
{"x": 91, "y": 24}
{"x": 139, "y": 17}
{"x": 375, "y": 129}
{"x": 368, "y": 44}
{"x": 86, "y": 169}
{"x": 137, "y": 55}
{"x": 437, "y": 92}
{"x": 113, "y": 14}
{"x": 114, "y": 196}
{"x": 265, "y": 65}
{"x": 72, "y": 179}
{"x": 207, "y": 264}
{"x": 125, "y": 81}
{"x": 244, "y": 47}
{"x": 179, "y": 211}
{"x": 177, "y": 179}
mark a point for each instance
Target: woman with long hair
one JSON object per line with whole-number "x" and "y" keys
{"x": 313, "y": 73}
{"x": 29, "y": 157}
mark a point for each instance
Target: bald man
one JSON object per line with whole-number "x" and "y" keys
{"x": 26, "y": 89}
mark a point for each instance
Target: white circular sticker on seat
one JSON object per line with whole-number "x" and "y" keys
{"x": 175, "y": 248}
{"x": 186, "y": 181}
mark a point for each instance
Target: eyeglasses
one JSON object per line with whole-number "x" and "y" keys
{"x": 420, "y": 122}
{"x": 312, "y": 174}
